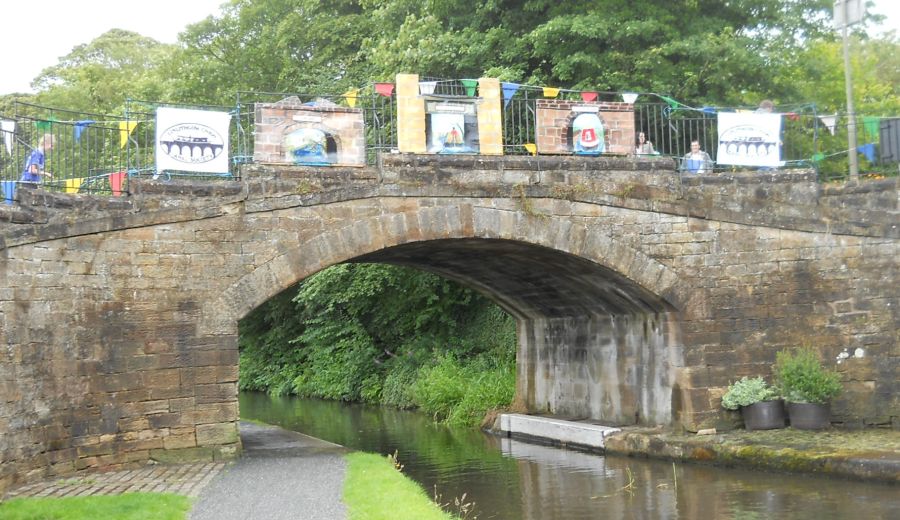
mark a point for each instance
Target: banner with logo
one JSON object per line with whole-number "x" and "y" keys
{"x": 192, "y": 140}
{"x": 749, "y": 139}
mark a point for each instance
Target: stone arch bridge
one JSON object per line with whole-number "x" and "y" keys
{"x": 639, "y": 294}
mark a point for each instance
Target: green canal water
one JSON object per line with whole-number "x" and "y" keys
{"x": 512, "y": 480}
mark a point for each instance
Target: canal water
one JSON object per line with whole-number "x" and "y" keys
{"x": 507, "y": 479}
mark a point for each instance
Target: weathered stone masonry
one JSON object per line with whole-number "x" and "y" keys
{"x": 639, "y": 294}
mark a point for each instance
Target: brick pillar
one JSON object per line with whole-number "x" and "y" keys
{"x": 410, "y": 115}
{"x": 490, "y": 122}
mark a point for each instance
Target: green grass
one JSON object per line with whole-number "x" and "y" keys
{"x": 375, "y": 490}
{"x": 130, "y": 506}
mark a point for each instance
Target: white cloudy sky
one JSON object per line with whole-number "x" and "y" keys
{"x": 37, "y": 33}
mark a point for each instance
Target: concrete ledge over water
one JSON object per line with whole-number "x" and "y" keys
{"x": 556, "y": 431}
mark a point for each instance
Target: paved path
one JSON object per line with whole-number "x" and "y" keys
{"x": 182, "y": 479}
{"x": 282, "y": 475}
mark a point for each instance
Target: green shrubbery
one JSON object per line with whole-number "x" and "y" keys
{"x": 802, "y": 378}
{"x": 386, "y": 335}
{"x": 748, "y": 391}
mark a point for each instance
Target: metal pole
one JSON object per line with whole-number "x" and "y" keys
{"x": 851, "y": 113}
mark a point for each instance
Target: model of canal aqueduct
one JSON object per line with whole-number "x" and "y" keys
{"x": 639, "y": 293}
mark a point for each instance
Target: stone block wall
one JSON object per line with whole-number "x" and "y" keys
{"x": 118, "y": 319}
{"x": 554, "y": 121}
{"x": 274, "y": 122}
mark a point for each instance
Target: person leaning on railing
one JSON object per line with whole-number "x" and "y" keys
{"x": 696, "y": 161}
{"x": 34, "y": 166}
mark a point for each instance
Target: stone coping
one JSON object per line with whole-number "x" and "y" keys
{"x": 868, "y": 455}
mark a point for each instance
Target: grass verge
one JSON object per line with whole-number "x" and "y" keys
{"x": 375, "y": 490}
{"x": 130, "y": 506}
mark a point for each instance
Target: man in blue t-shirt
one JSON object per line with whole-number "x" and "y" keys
{"x": 34, "y": 166}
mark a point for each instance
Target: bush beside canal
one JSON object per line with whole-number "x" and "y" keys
{"x": 383, "y": 335}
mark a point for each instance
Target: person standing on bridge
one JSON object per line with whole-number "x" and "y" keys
{"x": 642, "y": 146}
{"x": 696, "y": 161}
{"x": 34, "y": 166}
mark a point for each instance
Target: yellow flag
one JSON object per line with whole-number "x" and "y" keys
{"x": 125, "y": 129}
{"x": 72, "y": 185}
{"x": 551, "y": 92}
{"x": 531, "y": 147}
{"x": 351, "y": 96}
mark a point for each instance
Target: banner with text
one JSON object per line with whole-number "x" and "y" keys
{"x": 192, "y": 140}
{"x": 749, "y": 139}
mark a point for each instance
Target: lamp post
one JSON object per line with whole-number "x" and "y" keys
{"x": 847, "y": 13}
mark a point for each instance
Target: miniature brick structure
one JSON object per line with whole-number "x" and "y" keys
{"x": 554, "y": 125}
{"x": 284, "y": 129}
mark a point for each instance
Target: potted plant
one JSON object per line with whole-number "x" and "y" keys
{"x": 760, "y": 405}
{"x": 807, "y": 387}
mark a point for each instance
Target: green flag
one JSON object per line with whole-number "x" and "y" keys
{"x": 672, "y": 103}
{"x": 470, "y": 85}
{"x": 870, "y": 123}
{"x": 43, "y": 126}
{"x": 818, "y": 157}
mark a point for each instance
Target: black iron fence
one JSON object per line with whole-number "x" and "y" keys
{"x": 98, "y": 153}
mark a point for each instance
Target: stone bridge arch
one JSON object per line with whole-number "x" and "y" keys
{"x": 598, "y": 319}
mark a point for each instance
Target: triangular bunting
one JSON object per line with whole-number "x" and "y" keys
{"x": 871, "y": 124}
{"x": 630, "y": 97}
{"x": 509, "y": 90}
{"x": 829, "y": 122}
{"x": 671, "y": 102}
{"x": 551, "y": 92}
{"x": 115, "y": 182}
{"x": 384, "y": 89}
{"x": 818, "y": 157}
{"x": 470, "y": 85}
{"x": 9, "y": 191}
{"x": 868, "y": 150}
{"x": 426, "y": 88}
{"x": 531, "y": 147}
{"x": 351, "y": 96}
{"x": 589, "y": 96}
{"x": 80, "y": 126}
{"x": 72, "y": 185}
{"x": 125, "y": 129}
{"x": 43, "y": 125}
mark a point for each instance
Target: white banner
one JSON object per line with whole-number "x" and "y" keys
{"x": 749, "y": 139}
{"x": 192, "y": 140}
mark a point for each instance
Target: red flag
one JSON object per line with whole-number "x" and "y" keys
{"x": 589, "y": 96}
{"x": 115, "y": 182}
{"x": 385, "y": 89}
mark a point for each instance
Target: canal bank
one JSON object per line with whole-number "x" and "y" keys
{"x": 868, "y": 455}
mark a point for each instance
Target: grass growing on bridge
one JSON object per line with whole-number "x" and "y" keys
{"x": 130, "y": 506}
{"x": 375, "y": 490}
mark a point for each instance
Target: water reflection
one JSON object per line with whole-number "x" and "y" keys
{"x": 509, "y": 479}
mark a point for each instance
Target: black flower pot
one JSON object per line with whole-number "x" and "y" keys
{"x": 764, "y": 415}
{"x": 809, "y": 416}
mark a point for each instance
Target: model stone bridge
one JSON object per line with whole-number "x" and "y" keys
{"x": 639, "y": 294}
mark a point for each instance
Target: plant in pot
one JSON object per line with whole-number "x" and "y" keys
{"x": 760, "y": 404}
{"x": 807, "y": 388}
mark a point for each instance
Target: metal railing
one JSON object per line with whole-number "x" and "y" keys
{"x": 98, "y": 153}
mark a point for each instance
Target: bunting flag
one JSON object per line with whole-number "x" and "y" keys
{"x": 80, "y": 126}
{"x": 551, "y": 92}
{"x": 629, "y": 97}
{"x": 589, "y": 96}
{"x": 115, "y": 182}
{"x": 509, "y": 90}
{"x": 868, "y": 150}
{"x": 72, "y": 185}
{"x": 871, "y": 123}
{"x": 709, "y": 110}
{"x": 829, "y": 122}
{"x": 426, "y": 88}
{"x": 818, "y": 157}
{"x": 793, "y": 116}
{"x": 671, "y": 102}
{"x": 8, "y": 128}
{"x": 531, "y": 147}
{"x": 125, "y": 129}
{"x": 351, "y": 96}
{"x": 43, "y": 125}
{"x": 9, "y": 191}
{"x": 384, "y": 89}
{"x": 470, "y": 85}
